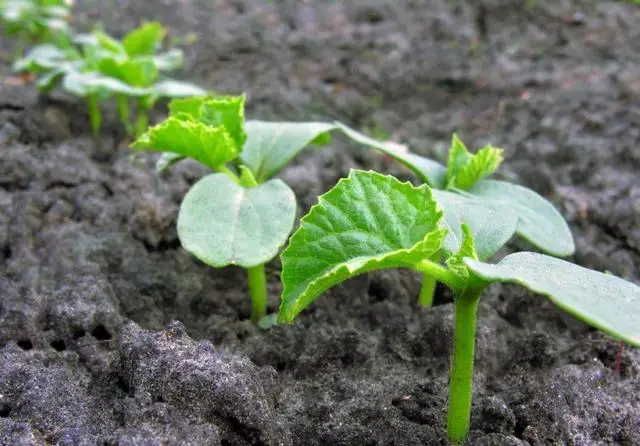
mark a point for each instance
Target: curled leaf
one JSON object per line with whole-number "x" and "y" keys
{"x": 212, "y": 146}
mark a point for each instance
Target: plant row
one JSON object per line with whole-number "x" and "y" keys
{"x": 446, "y": 229}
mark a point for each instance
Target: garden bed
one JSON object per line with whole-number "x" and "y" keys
{"x": 110, "y": 333}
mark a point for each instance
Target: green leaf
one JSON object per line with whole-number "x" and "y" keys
{"x": 212, "y": 146}
{"x": 455, "y": 262}
{"x": 222, "y": 223}
{"x": 491, "y": 224}
{"x": 227, "y": 111}
{"x": 485, "y": 162}
{"x": 108, "y": 43}
{"x": 139, "y": 72}
{"x": 271, "y": 145}
{"x": 176, "y": 89}
{"x": 459, "y": 157}
{"x": 187, "y": 106}
{"x": 366, "y": 222}
{"x": 83, "y": 84}
{"x": 45, "y": 57}
{"x": 168, "y": 159}
{"x": 601, "y": 300}
{"x": 49, "y": 80}
{"x": 427, "y": 170}
{"x": 169, "y": 61}
{"x": 539, "y": 221}
{"x": 144, "y": 40}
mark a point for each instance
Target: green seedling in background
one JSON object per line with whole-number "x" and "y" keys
{"x": 105, "y": 67}
{"x": 370, "y": 222}
{"x": 38, "y": 21}
{"x": 239, "y": 215}
{"x": 465, "y": 175}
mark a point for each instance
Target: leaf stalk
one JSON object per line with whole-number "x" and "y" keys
{"x": 258, "y": 291}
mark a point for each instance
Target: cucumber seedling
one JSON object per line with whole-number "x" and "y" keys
{"x": 370, "y": 222}
{"x": 465, "y": 175}
{"x": 129, "y": 70}
{"x": 36, "y": 21}
{"x": 239, "y": 215}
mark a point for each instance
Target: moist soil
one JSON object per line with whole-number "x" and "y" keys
{"x": 111, "y": 333}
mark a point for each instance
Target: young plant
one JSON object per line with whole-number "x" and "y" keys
{"x": 239, "y": 215}
{"x": 105, "y": 68}
{"x": 465, "y": 175}
{"x": 36, "y": 21}
{"x": 370, "y": 222}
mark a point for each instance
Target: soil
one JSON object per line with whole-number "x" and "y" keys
{"x": 110, "y": 333}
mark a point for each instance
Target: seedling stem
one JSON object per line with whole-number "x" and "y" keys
{"x": 123, "y": 111}
{"x": 94, "y": 114}
{"x": 142, "y": 121}
{"x": 461, "y": 384}
{"x": 258, "y": 291}
{"x": 427, "y": 291}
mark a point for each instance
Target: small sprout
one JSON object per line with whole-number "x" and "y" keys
{"x": 105, "y": 68}
{"x": 370, "y": 222}
{"x": 239, "y": 215}
{"x": 38, "y": 21}
{"x": 537, "y": 220}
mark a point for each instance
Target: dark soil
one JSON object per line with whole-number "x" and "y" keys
{"x": 93, "y": 279}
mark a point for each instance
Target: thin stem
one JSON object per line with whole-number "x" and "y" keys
{"x": 439, "y": 273}
{"x": 142, "y": 122}
{"x": 428, "y": 288}
{"x": 427, "y": 291}
{"x": 258, "y": 290}
{"x": 94, "y": 114}
{"x": 461, "y": 383}
{"x": 123, "y": 112}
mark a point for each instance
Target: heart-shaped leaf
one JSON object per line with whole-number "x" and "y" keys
{"x": 427, "y": 170}
{"x": 366, "y": 222}
{"x": 491, "y": 225}
{"x": 601, "y": 300}
{"x": 223, "y": 223}
{"x": 271, "y": 145}
{"x": 144, "y": 40}
{"x": 212, "y": 146}
{"x": 539, "y": 221}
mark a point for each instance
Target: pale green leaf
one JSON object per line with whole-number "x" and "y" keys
{"x": 427, "y": 170}
{"x": 212, "y": 146}
{"x": 601, "y": 300}
{"x": 144, "y": 40}
{"x": 491, "y": 224}
{"x": 485, "y": 162}
{"x": 169, "y": 60}
{"x": 168, "y": 159}
{"x": 83, "y": 84}
{"x": 539, "y": 221}
{"x": 222, "y": 223}
{"x": 176, "y": 89}
{"x": 271, "y": 145}
{"x": 366, "y": 222}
